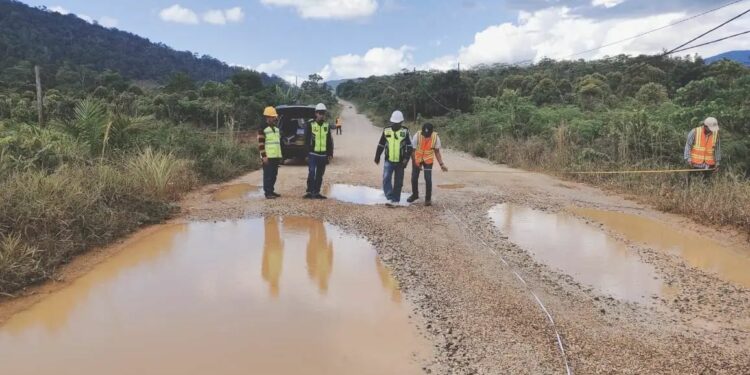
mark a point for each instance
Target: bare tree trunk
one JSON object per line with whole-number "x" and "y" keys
{"x": 39, "y": 98}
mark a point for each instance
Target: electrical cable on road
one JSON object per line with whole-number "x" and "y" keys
{"x": 558, "y": 337}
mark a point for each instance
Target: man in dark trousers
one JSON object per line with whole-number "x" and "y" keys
{"x": 319, "y": 144}
{"x": 269, "y": 144}
{"x": 396, "y": 143}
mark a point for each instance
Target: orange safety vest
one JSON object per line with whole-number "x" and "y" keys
{"x": 703, "y": 148}
{"x": 425, "y": 150}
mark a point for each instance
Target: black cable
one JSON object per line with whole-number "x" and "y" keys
{"x": 654, "y": 30}
{"x": 707, "y": 32}
{"x": 712, "y": 42}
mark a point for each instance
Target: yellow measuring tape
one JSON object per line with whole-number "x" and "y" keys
{"x": 594, "y": 172}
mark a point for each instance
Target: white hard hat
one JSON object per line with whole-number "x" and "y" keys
{"x": 397, "y": 117}
{"x": 320, "y": 107}
{"x": 712, "y": 123}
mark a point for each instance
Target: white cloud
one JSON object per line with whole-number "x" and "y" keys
{"x": 108, "y": 22}
{"x": 59, "y": 9}
{"x": 376, "y": 61}
{"x": 177, "y": 13}
{"x": 606, "y": 3}
{"x": 272, "y": 66}
{"x": 221, "y": 17}
{"x": 234, "y": 14}
{"x": 215, "y": 16}
{"x": 558, "y": 33}
{"x": 328, "y": 9}
{"x": 85, "y": 18}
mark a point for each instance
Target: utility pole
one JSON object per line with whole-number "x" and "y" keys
{"x": 39, "y": 99}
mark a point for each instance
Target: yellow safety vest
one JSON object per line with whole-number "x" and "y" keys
{"x": 395, "y": 139}
{"x": 320, "y": 134}
{"x": 273, "y": 142}
{"x": 703, "y": 148}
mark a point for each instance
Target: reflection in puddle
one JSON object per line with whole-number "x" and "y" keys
{"x": 266, "y": 296}
{"x": 237, "y": 191}
{"x": 729, "y": 264}
{"x": 579, "y": 250}
{"x": 452, "y": 186}
{"x": 361, "y": 195}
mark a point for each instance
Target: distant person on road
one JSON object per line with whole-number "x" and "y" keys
{"x": 396, "y": 144}
{"x": 703, "y": 149}
{"x": 338, "y": 126}
{"x": 319, "y": 143}
{"x": 426, "y": 150}
{"x": 269, "y": 144}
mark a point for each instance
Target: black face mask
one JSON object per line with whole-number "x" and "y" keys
{"x": 396, "y": 126}
{"x": 427, "y": 130}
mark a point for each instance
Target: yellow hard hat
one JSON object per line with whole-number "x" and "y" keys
{"x": 270, "y": 112}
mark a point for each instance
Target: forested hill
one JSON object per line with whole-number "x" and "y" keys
{"x": 37, "y": 36}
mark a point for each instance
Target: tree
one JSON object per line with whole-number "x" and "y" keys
{"x": 486, "y": 86}
{"x": 652, "y": 94}
{"x": 180, "y": 82}
{"x": 545, "y": 92}
{"x": 249, "y": 82}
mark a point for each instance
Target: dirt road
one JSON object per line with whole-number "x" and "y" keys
{"x": 518, "y": 272}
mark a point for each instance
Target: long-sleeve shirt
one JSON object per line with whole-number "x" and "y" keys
{"x": 691, "y": 141}
{"x": 262, "y": 140}
{"x": 406, "y": 146}
{"x": 310, "y": 141}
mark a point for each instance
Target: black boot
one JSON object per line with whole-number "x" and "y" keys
{"x": 412, "y": 198}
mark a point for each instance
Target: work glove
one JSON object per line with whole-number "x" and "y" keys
{"x": 377, "y": 161}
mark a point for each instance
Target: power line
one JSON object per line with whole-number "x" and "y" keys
{"x": 655, "y": 30}
{"x": 707, "y": 32}
{"x": 711, "y": 42}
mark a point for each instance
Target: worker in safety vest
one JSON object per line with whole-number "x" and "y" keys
{"x": 319, "y": 144}
{"x": 703, "y": 149}
{"x": 338, "y": 126}
{"x": 269, "y": 144}
{"x": 396, "y": 144}
{"x": 426, "y": 150}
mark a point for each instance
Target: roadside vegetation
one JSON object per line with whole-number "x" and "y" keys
{"x": 115, "y": 155}
{"x": 621, "y": 113}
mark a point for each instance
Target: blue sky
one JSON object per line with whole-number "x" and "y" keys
{"x": 348, "y": 38}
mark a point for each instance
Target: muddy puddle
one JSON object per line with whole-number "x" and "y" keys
{"x": 361, "y": 195}
{"x": 237, "y": 191}
{"x": 257, "y": 296}
{"x": 590, "y": 256}
{"x": 451, "y": 186}
{"x": 729, "y": 264}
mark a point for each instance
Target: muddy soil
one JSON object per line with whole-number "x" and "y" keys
{"x": 490, "y": 305}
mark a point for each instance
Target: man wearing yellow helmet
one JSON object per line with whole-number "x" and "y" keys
{"x": 269, "y": 144}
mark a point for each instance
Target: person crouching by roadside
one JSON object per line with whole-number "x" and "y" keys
{"x": 426, "y": 150}
{"x": 703, "y": 149}
{"x": 269, "y": 144}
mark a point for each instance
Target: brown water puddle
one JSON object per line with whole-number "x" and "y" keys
{"x": 237, "y": 191}
{"x": 361, "y": 195}
{"x": 730, "y": 264}
{"x": 257, "y": 296}
{"x": 587, "y": 254}
{"x": 452, "y": 186}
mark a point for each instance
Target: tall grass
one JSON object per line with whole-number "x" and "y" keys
{"x": 71, "y": 186}
{"x": 159, "y": 175}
